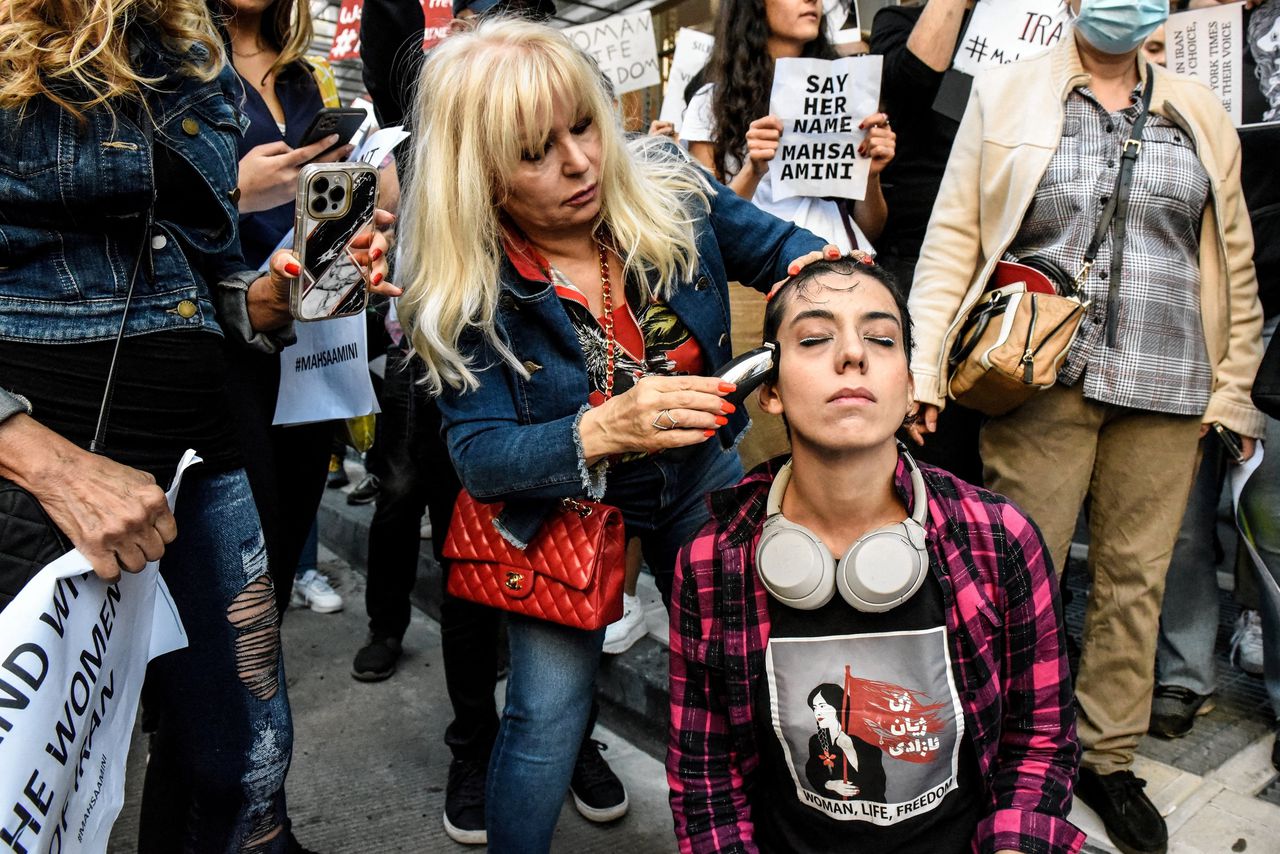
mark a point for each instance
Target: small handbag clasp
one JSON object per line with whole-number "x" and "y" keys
{"x": 515, "y": 581}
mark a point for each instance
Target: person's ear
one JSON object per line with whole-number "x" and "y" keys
{"x": 770, "y": 400}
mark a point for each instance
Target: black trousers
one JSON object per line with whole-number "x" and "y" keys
{"x": 286, "y": 465}
{"x": 420, "y": 476}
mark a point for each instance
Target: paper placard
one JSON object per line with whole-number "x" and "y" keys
{"x": 843, "y": 20}
{"x": 1208, "y": 44}
{"x": 693, "y": 49}
{"x": 346, "y": 35}
{"x": 624, "y": 47}
{"x": 325, "y": 375}
{"x": 821, "y": 103}
{"x": 73, "y": 655}
{"x": 436, "y": 18}
{"x": 1004, "y": 31}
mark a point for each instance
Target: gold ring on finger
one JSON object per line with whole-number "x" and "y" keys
{"x": 671, "y": 420}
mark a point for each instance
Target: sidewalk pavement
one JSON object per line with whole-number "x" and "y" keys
{"x": 369, "y": 759}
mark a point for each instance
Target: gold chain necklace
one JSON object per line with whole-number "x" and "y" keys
{"x": 607, "y": 295}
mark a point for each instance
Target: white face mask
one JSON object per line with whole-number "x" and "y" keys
{"x": 1120, "y": 26}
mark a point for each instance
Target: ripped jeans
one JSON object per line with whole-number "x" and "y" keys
{"x": 224, "y": 735}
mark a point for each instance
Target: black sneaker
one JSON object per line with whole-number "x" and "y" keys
{"x": 1133, "y": 823}
{"x": 376, "y": 660}
{"x": 464, "y": 802}
{"x": 597, "y": 791}
{"x": 1174, "y": 710}
{"x": 365, "y": 491}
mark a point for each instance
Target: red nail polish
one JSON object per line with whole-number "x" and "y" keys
{"x": 727, "y": 387}
{"x": 721, "y": 421}
{"x": 791, "y": 271}
{"x": 377, "y": 277}
{"x": 292, "y": 269}
{"x": 375, "y": 254}
{"x": 708, "y": 433}
{"x": 727, "y": 408}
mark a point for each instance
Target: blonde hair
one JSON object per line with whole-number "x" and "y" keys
{"x": 76, "y": 54}
{"x": 485, "y": 97}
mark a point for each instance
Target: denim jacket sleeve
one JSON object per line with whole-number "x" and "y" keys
{"x": 756, "y": 246}
{"x": 500, "y": 459}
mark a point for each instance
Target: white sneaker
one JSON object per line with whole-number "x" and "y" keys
{"x": 312, "y": 590}
{"x": 620, "y": 636}
{"x": 1246, "y": 642}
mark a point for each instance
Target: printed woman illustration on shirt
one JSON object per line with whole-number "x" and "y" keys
{"x": 841, "y": 764}
{"x": 870, "y": 724}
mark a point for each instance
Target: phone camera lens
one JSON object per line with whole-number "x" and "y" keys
{"x": 336, "y": 195}
{"x": 318, "y": 205}
{"x": 320, "y": 185}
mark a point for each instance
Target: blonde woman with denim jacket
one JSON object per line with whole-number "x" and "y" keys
{"x": 1038, "y": 147}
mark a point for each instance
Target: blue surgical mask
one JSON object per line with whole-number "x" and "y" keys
{"x": 1119, "y": 26}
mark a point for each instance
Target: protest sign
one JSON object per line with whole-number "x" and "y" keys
{"x": 1004, "y": 31}
{"x": 73, "y": 655}
{"x": 821, "y": 103}
{"x": 693, "y": 49}
{"x": 436, "y": 17}
{"x": 624, "y": 47}
{"x": 1208, "y": 44}
{"x": 346, "y": 35}
{"x": 1239, "y": 476}
{"x": 843, "y": 20}
{"x": 324, "y": 376}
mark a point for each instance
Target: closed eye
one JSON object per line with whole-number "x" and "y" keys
{"x": 581, "y": 127}
{"x": 814, "y": 340}
{"x": 882, "y": 340}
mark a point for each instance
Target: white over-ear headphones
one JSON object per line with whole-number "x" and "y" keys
{"x": 883, "y": 569}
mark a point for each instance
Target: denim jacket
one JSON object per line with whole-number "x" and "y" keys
{"x": 74, "y": 198}
{"x": 516, "y": 440}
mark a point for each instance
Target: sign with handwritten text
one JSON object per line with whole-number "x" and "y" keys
{"x": 624, "y": 47}
{"x": 1004, "y": 31}
{"x": 693, "y": 49}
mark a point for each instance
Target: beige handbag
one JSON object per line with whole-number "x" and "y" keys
{"x": 1014, "y": 342}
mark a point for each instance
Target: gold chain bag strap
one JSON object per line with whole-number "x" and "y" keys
{"x": 572, "y": 571}
{"x": 1014, "y": 341}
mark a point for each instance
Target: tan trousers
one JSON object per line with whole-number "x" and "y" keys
{"x": 767, "y": 437}
{"x": 1136, "y": 467}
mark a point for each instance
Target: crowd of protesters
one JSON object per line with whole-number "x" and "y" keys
{"x": 865, "y": 592}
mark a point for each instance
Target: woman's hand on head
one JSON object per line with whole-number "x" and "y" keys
{"x": 656, "y": 414}
{"x": 661, "y": 128}
{"x": 880, "y": 143}
{"x": 830, "y": 252}
{"x": 269, "y": 172}
{"x": 762, "y": 142}
{"x": 926, "y": 422}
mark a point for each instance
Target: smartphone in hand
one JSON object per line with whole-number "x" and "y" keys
{"x": 1231, "y": 441}
{"x": 336, "y": 203}
{"x": 344, "y": 121}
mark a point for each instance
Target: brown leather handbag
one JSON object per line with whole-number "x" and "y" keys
{"x": 571, "y": 573}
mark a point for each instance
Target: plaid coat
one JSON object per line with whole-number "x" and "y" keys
{"x": 1004, "y": 624}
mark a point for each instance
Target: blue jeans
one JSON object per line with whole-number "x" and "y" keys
{"x": 1189, "y": 617}
{"x": 224, "y": 735}
{"x": 553, "y": 667}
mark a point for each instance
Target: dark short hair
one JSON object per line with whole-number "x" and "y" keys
{"x": 848, "y": 266}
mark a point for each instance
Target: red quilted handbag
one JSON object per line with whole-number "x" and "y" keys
{"x": 571, "y": 573}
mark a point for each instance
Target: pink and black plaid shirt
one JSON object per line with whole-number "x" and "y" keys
{"x": 1004, "y": 624}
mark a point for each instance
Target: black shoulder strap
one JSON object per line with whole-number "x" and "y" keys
{"x": 1117, "y": 211}
{"x": 98, "y": 444}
